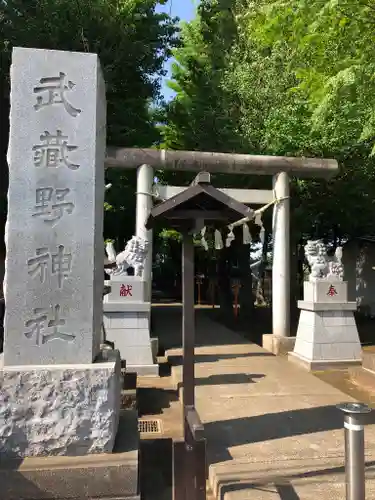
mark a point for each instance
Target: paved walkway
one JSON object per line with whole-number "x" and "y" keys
{"x": 272, "y": 429}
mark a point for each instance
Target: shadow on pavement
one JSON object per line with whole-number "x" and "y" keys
{"x": 284, "y": 489}
{"x": 212, "y": 358}
{"x": 15, "y": 486}
{"x": 226, "y": 434}
{"x": 167, "y": 322}
{"x": 152, "y": 401}
{"x": 228, "y": 379}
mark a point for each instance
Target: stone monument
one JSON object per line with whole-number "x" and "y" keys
{"x": 59, "y": 394}
{"x": 327, "y": 335}
{"x": 127, "y": 309}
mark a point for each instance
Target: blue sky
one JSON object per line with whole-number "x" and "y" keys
{"x": 185, "y": 10}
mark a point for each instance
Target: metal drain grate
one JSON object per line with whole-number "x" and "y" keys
{"x": 149, "y": 426}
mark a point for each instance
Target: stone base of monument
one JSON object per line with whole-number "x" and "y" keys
{"x": 278, "y": 345}
{"x": 155, "y": 347}
{"x": 327, "y": 335}
{"x": 127, "y": 315}
{"x": 60, "y": 409}
{"x": 365, "y": 376}
{"x": 99, "y": 476}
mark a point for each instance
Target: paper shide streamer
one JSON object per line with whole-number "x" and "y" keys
{"x": 246, "y": 236}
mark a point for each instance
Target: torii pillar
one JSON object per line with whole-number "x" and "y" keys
{"x": 280, "y": 340}
{"x": 145, "y": 179}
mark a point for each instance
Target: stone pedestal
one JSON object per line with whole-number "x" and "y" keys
{"x": 278, "y": 345}
{"x": 327, "y": 335}
{"x": 127, "y": 317}
{"x": 96, "y": 476}
{"x": 59, "y": 394}
{"x": 61, "y": 409}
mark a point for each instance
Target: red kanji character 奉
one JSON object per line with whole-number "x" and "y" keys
{"x": 331, "y": 291}
{"x": 126, "y": 290}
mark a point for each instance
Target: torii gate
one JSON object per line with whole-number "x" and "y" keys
{"x": 280, "y": 167}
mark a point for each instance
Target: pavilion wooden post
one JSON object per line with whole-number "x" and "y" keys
{"x": 188, "y": 319}
{"x": 195, "y": 443}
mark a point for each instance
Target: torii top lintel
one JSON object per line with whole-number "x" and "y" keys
{"x": 197, "y": 161}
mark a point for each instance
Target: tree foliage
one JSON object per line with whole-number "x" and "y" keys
{"x": 288, "y": 78}
{"x": 132, "y": 41}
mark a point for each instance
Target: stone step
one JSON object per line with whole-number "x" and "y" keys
{"x": 322, "y": 478}
{"x": 364, "y": 379}
{"x": 128, "y": 399}
{"x": 368, "y": 360}
{"x": 101, "y": 476}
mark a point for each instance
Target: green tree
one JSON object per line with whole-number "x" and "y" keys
{"x": 320, "y": 52}
{"x": 132, "y": 40}
{"x": 201, "y": 115}
{"x": 286, "y": 78}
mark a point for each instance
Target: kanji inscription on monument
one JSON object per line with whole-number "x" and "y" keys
{"x": 54, "y": 268}
{"x": 44, "y": 326}
{"x": 53, "y": 91}
{"x": 53, "y": 151}
{"x": 51, "y": 204}
{"x": 60, "y": 264}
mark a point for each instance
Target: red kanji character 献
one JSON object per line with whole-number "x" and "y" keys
{"x": 126, "y": 290}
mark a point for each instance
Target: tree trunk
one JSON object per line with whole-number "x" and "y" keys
{"x": 260, "y": 294}
{"x": 246, "y": 299}
{"x": 224, "y": 289}
{"x": 294, "y": 278}
{"x": 301, "y": 274}
{"x": 293, "y": 269}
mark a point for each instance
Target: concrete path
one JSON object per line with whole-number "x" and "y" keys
{"x": 272, "y": 429}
